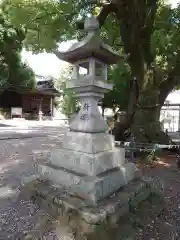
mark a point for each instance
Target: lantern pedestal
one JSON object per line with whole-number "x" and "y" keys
{"x": 76, "y": 217}
{"x": 88, "y": 166}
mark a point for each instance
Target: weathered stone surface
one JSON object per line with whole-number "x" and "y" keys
{"x": 89, "y": 164}
{"x": 112, "y": 207}
{"x": 58, "y": 176}
{"x": 110, "y": 219}
{"x": 89, "y": 81}
{"x": 64, "y": 232}
{"x": 90, "y": 46}
{"x": 89, "y": 119}
{"x": 140, "y": 197}
{"x": 87, "y": 142}
{"x": 88, "y": 124}
{"x": 91, "y": 188}
{"x": 89, "y": 178}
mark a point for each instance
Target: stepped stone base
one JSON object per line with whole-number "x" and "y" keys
{"x": 72, "y": 218}
{"x": 88, "y": 142}
{"x": 91, "y": 188}
{"x": 88, "y": 166}
{"x": 89, "y": 185}
{"x": 112, "y": 207}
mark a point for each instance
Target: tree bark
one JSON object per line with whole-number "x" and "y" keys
{"x": 146, "y": 126}
{"x": 123, "y": 125}
{"x": 143, "y": 118}
{"x": 136, "y": 25}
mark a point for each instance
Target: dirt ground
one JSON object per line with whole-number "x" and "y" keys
{"x": 16, "y": 162}
{"x": 167, "y": 225}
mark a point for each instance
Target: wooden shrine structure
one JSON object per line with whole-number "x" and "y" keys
{"x": 39, "y": 101}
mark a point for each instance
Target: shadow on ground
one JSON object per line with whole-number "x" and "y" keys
{"x": 5, "y": 125}
{"x": 166, "y": 225}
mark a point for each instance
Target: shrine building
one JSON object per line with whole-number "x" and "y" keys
{"x": 39, "y": 101}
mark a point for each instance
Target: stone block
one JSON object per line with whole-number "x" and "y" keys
{"x": 85, "y": 163}
{"x": 111, "y": 208}
{"x": 57, "y": 176}
{"x": 88, "y": 142}
{"x": 64, "y": 232}
{"x": 121, "y": 211}
{"x": 90, "y": 188}
{"x": 141, "y": 196}
{"x": 91, "y": 124}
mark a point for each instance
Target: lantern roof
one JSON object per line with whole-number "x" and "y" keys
{"x": 90, "y": 46}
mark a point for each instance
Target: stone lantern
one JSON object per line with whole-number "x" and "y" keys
{"x": 90, "y": 58}
{"x": 88, "y": 166}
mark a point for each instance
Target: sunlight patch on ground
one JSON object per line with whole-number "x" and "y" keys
{"x": 25, "y": 131}
{"x": 40, "y": 151}
{"x": 48, "y": 145}
{"x": 165, "y": 164}
{"x": 4, "y": 167}
{"x": 7, "y": 192}
{"x": 19, "y": 144}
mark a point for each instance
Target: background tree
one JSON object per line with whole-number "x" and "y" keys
{"x": 67, "y": 104}
{"x": 146, "y": 32}
{"x": 120, "y": 76}
{"x": 14, "y": 73}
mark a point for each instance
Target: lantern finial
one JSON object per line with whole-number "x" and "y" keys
{"x": 91, "y": 24}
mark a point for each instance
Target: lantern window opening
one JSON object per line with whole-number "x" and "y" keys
{"x": 100, "y": 69}
{"x": 83, "y": 68}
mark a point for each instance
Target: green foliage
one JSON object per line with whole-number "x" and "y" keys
{"x": 24, "y": 78}
{"x": 120, "y": 76}
{"x": 49, "y": 22}
{"x": 67, "y": 103}
{"x": 13, "y": 72}
{"x": 165, "y": 38}
{"x": 46, "y": 22}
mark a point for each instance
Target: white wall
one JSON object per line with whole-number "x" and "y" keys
{"x": 171, "y": 117}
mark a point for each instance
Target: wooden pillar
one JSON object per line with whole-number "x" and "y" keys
{"x": 40, "y": 110}
{"x": 51, "y": 106}
{"x": 179, "y": 121}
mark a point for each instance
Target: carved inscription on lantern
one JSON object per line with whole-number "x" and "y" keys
{"x": 86, "y": 106}
{"x": 84, "y": 117}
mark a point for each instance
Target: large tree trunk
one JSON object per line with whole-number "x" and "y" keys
{"x": 126, "y": 122}
{"x": 146, "y": 126}
{"x": 136, "y": 20}
{"x": 143, "y": 119}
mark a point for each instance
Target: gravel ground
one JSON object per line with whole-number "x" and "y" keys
{"x": 167, "y": 225}
{"x": 18, "y": 214}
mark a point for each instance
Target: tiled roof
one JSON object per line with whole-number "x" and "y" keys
{"x": 46, "y": 85}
